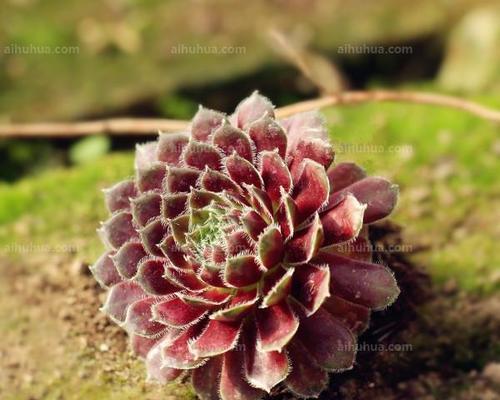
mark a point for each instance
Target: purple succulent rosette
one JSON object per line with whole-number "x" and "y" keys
{"x": 239, "y": 254}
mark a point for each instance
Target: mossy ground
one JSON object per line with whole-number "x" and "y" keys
{"x": 446, "y": 163}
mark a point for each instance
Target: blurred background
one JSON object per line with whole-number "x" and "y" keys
{"x": 72, "y": 60}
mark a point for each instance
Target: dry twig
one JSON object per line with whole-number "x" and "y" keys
{"x": 356, "y": 97}
{"x": 149, "y": 126}
{"x": 112, "y": 126}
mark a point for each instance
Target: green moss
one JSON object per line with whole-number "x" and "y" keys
{"x": 60, "y": 209}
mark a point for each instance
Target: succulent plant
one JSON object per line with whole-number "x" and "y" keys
{"x": 239, "y": 254}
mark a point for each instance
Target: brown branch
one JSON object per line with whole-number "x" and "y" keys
{"x": 112, "y": 126}
{"x": 356, "y": 97}
{"x": 148, "y": 126}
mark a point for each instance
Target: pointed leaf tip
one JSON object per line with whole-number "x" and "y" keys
{"x": 204, "y": 123}
{"x": 379, "y": 195}
{"x": 233, "y": 386}
{"x": 305, "y": 244}
{"x": 218, "y": 338}
{"x": 120, "y": 297}
{"x": 264, "y": 370}
{"x": 368, "y": 284}
{"x": 156, "y": 371}
{"x": 206, "y": 379}
{"x": 311, "y": 286}
{"x": 251, "y": 109}
{"x": 118, "y": 196}
{"x": 118, "y": 229}
{"x": 270, "y": 246}
{"x": 344, "y": 221}
{"x": 330, "y": 342}
{"x": 312, "y": 189}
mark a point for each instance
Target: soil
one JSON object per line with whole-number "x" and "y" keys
{"x": 56, "y": 344}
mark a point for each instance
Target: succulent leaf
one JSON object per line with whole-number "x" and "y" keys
{"x": 329, "y": 341}
{"x": 310, "y": 148}
{"x": 151, "y": 178}
{"x": 141, "y": 345}
{"x": 118, "y": 196}
{"x": 307, "y": 378}
{"x": 352, "y": 315}
{"x": 311, "y": 190}
{"x": 233, "y": 140}
{"x": 370, "y": 285}
{"x": 171, "y": 146}
{"x": 311, "y": 286}
{"x": 242, "y": 271}
{"x": 146, "y": 207}
{"x": 177, "y": 313}
{"x": 120, "y": 297}
{"x": 156, "y": 371}
{"x": 233, "y": 386}
{"x": 128, "y": 257}
{"x": 310, "y": 124}
{"x": 176, "y": 353}
{"x": 152, "y": 236}
{"x": 139, "y": 319}
{"x": 305, "y": 244}
{"x": 344, "y": 174}
{"x": 206, "y": 379}
{"x": 264, "y": 369}
{"x": 105, "y": 270}
{"x": 275, "y": 174}
{"x": 150, "y": 276}
{"x": 218, "y": 338}
{"x": 270, "y": 246}
{"x": 118, "y": 230}
{"x": 379, "y": 195}
{"x": 243, "y": 171}
{"x": 251, "y": 109}
{"x": 276, "y": 326}
{"x": 344, "y": 221}
{"x": 145, "y": 155}
{"x": 268, "y": 135}
{"x": 204, "y": 123}
{"x": 180, "y": 179}
{"x": 276, "y": 286}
